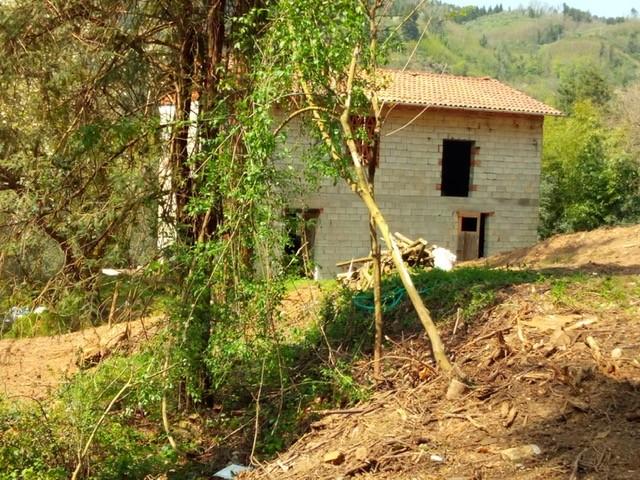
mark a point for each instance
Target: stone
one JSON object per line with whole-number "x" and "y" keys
{"x": 361, "y": 453}
{"x": 456, "y": 389}
{"x": 521, "y": 453}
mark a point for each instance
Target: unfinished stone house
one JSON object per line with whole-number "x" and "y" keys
{"x": 459, "y": 165}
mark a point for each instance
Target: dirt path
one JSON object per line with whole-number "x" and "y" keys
{"x": 34, "y": 367}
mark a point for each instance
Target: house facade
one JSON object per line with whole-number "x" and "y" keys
{"x": 459, "y": 165}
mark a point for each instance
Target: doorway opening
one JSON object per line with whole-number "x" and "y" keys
{"x": 471, "y": 235}
{"x": 298, "y": 250}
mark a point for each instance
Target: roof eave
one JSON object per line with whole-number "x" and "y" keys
{"x": 555, "y": 113}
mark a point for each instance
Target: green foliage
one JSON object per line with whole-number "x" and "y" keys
{"x": 531, "y": 49}
{"x": 583, "y": 82}
{"x": 410, "y": 29}
{"x": 576, "y": 14}
{"x": 588, "y": 178}
{"x": 594, "y": 293}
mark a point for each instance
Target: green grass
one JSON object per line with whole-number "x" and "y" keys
{"x": 595, "y": 293}
{"x": 294, "y": 283}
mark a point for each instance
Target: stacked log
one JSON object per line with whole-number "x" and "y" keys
{"x": 359, "y": 271}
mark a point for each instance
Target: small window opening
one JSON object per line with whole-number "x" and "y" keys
{"x": 298, "y": 250}
{"x": 456, "y": 168}
{"x": 469, "y": 224}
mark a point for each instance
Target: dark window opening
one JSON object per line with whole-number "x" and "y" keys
{"x": 298, "y": 250}
{"x": 456, "y": 168}
{"x": 469, "y": 224}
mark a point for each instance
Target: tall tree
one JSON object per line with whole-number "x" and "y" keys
{"x": 334, "y": 86}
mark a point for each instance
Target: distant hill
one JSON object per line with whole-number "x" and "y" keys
{"x": 529, "y": 48}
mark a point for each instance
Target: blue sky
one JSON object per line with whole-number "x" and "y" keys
{"x": 605, "y": 8}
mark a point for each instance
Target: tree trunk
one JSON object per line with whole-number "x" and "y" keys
{"x": 437, "y": 346}
{"x": 362, "y": 188}
{"x": 377, "y": 282}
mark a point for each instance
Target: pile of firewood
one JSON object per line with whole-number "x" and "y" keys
{"x": 359, "y": 271}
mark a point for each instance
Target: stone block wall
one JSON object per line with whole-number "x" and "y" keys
{"x": 505, "y": 179}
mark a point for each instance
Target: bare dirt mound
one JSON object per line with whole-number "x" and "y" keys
{"x": 604, "y": 249}
{"x": 555, "y": 374}
{"x": 34, "y": 367}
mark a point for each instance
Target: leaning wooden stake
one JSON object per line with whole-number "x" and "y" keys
{"x": 437, "y": 346}
{"x": 364, "y": 191}
{"x": 361, "y": 187}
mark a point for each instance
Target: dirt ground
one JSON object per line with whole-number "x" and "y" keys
{"x": 615, "y": 248}
{"x": 35, "y": 367}
{"x": 552, "y": 369}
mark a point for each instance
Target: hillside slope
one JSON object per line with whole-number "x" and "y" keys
{"x": 554, "y": 363}
{"x": 35, "y": 367}
{"x": 529, "y": 52}
{"x": 607, "y": 250}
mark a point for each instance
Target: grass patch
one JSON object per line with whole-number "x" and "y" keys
{"x": 589, "y": 292}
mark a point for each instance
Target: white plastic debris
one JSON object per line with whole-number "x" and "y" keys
{"x": 437, "y": 458}
{"x": 15, "y": 313}
{"x": 443, "y": 259}
{"x": 230, "y": 471}
{"x": 110, "y": 272}
{"x": 40, "y": 310}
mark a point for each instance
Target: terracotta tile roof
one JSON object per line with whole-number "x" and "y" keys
{"x": 455, "y": 92}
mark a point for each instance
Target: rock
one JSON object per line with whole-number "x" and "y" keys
{"x": 334, "y": 457}
{"x": 522, "y": 453}
{"x": 504, "y": 408}
{"x": 229, "y": 472}
{"x": 578, "y": 404}
{"x": 616, "y": 353}
{"x": 456, "y": 389}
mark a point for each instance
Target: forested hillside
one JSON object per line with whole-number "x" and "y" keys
{"x": 530, "y": 48}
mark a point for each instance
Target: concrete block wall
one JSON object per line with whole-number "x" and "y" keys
{"x": 505, "y": 178}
